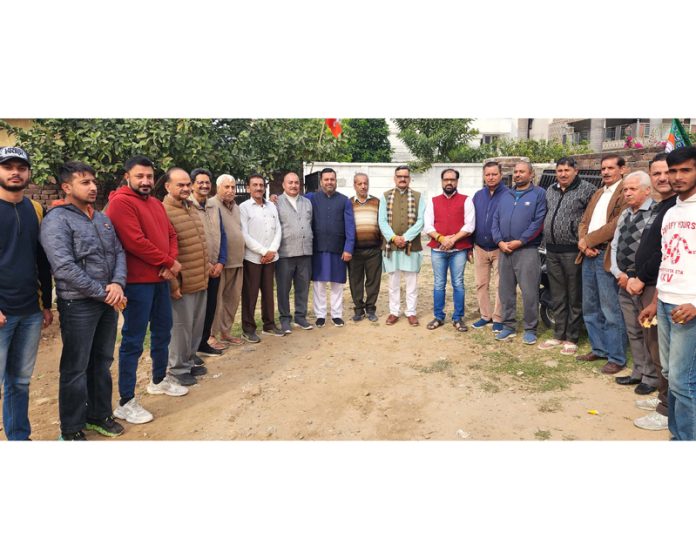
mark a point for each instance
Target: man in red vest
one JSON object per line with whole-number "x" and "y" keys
{"x": 449, "y": 221}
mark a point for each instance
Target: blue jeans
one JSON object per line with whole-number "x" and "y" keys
{"x": 19, "y": 343}
{"x": 88, "y": 331}
{"x": 147, "y": 303}
{"x": 455, "y": 263}
{"x": 678, "y": 359}
{"x": 601, "y": 311}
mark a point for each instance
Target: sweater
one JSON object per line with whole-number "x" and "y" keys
{"x": 485, "y": 206}
{"x": 675, "y": 283}
{"x": 25, "y": 276}
{"x": 629, "y": 230}
{"x": 649, "y": 253}
{"x": 145, "y": 232}
{"x": 521, "y": 217}
{"x": 231, "y": 222}
{"x": 85, "y": 253}
{"x": 563, "y": 215}
{"x": 366, "y": 214}
{"x": 193, "y": 253}
{"x": 447, "y": 216}
{"x": 215, "y": 237}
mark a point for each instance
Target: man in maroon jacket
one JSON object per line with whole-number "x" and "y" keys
{"x": 151, "y": 250}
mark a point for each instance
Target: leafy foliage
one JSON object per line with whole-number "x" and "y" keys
{"x": 434, "y": 140}
{"x": 538, "y": 151}
{"x": 236, "y": 146}
{"x": 367, "y": 140}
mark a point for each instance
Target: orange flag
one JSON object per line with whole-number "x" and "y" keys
{"x": 334, "y": 125}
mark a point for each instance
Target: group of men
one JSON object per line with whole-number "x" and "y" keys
{"x": 183, "y": 265}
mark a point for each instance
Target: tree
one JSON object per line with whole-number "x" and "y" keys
{"x": 236, "y": 146}
{"x": 367, "y": 140}
{"x": 434, "y": 140}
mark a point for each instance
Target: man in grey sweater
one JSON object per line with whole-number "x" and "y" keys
{"x": 294, "y": 266}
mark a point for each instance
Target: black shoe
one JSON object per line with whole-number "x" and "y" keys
{"x": 185, "y": 379}
{"x": 338, "y": 322}
{"x": 320, "y": 322}
{"x": 251, "y": 337}
{"x": 357, "y": 317}
{"x": 274, "y": 332}
{"x": 79, "y": 436}
{"x": 197, "y": 360}
{"x": 198, "y": 370}
{"x": 626, "y": 380}
{"x": 207, "y": 349}
{"x": 108, "y": 427}
{"x": 372, "y": 317}
{"x": 644, "y": 389}
{"x": 302, "y": 323}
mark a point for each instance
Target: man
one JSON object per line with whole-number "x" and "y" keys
{"x": 629, "y": 229}
{"x": 216, "y": 244}
{"x": 333, "y": 227}
{"x": 294, "y": 266}
{"x": 150, "y": 243}
{"x": 486, "y": 252}
{"x": 600, "y": 296}
{"x": 24, "y": 271}
{"x": 89, "y": 266}
{"x": 230, "y": 290}
{"x": 449, "y": 221}
{"x": 517, "y": 226}
{"x": 262, "y": 234}
{"x": 566, "y": 201}
{"x": 189, "y": 287}
{"x": 365, "y": 267}
{"x": 401, "y": 213}
{"x": 676, "y": 292}
{"x": 648, "y": 260}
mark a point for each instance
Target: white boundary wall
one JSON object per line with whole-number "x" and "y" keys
{"x": 382, "y": 176}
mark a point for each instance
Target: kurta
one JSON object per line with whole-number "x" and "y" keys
{"x": 399, "y": 260}
{"x": 328, "y": 266}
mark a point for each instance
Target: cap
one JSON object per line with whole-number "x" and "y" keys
{"x": 7, "y": 153}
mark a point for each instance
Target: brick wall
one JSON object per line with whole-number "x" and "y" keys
{"x": 636, "y": 159}
{"x": 45, "y": 195}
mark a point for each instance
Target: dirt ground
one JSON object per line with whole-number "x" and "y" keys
{"x": 369, "y": 381}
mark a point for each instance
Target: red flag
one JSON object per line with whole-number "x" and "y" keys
{"x": 334, "y": 125}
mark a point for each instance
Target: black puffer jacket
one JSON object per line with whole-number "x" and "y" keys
{"x": 564, "y": 212}
{"x": 85, "y": 254}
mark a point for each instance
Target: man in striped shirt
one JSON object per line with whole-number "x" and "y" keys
{"x": 365, "y": 268}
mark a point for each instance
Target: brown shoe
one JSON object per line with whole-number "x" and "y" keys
{"x": 589, "y": 357}
{"x": 612, "y": 368}
{"x": 391, "y": 319}
{"x": 413, "y": 320}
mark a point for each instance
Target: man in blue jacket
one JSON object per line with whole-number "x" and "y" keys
{"x": 517, "y": 226}
{"x": 486, "y": 251}
{"x": 89, "y": 266}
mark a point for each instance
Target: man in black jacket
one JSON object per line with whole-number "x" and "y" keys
{"x": 648, "y": 258}
{"x": 566, "y": 201}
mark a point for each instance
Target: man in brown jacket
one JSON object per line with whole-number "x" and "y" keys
{"x": 189, "y": 286}
{"x": 230, "y": 290}
{"x": 600, "y": 296}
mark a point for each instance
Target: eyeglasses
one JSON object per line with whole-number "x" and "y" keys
{"x": 403, "y": 176}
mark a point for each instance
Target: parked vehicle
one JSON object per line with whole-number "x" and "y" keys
{"x": 545, "y": 311}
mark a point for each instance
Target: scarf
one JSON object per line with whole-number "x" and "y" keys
{"x": 411, "y": 216}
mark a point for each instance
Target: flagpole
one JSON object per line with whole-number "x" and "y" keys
{"x": 321, "y": 135}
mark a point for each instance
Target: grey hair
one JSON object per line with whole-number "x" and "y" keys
{"x": 643, "y": 178}
{"x": 223, "y": 178}
{"x": 360, "y": 174}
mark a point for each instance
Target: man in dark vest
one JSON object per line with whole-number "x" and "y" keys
{"x": 401, "y": 212}
{"x": 333, "y": 227}
{"x": 449, "y": 222}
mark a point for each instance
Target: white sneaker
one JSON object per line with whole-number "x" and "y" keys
{"x": 168, "y": 386}
{"x": 650, "y": 404}
{"x": 133, "y": 412}
{"x": 652, "y": 422}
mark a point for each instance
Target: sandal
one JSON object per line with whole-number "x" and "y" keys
{"x": 459, "y": 326}
{"x": 435, "y": 323}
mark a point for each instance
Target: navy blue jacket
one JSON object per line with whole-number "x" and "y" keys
{"x": 333, "y": 223}
{"x": 23, "y": 264}
{"x": 485, "y": 206}
{"x": 520, "y": 220}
